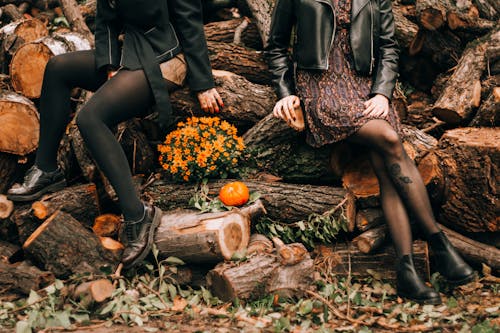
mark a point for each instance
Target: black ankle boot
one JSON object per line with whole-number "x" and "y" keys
{"x": 36, "y": 183}
{"x": 411, "y": 286}
{"x": 448, "y": 262}
{"x": 138, "y": 236}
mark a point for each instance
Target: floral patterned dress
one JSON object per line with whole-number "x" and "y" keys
{"x": 333, "y": 99}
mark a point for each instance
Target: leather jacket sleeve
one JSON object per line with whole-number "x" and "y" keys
{"x": 187, "y": 19}
{"x": 387, "y": 68}
{"x": 277, "y": 50}
{"x": 108, "y": 27}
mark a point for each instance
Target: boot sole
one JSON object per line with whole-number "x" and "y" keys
{"x": 30, "y": 197}
{"x": 430, "y": 301}
{"x": 457, "y": 283}
{"x": 152, "y": 230}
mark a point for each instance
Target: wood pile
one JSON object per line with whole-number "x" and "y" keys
{"x": 448, "y": 100}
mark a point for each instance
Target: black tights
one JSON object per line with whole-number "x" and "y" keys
{"x": 124, "y": 96}
{"x": 401, "y": 186}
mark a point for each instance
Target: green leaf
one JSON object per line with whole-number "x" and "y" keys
{"x": 33, "y": 298}
{"x": 174, "y": 261}
{"x": 62, "y": 319}
{"x": 452, "y": 302}
{"x": 23, "y": 327}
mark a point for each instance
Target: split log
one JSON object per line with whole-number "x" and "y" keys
{"x": 93, "y": 291}
{"x": 75, "y": 18}
{"x": 20, "y": 124}
{"x": 344, "y": 259}
{"x": 79, "y": 201}
{"x": 369, "y": 218}
{"x": 488, "y": 114}
{"x": 23, "y": 277}
{"x": 245, "y": 103}
{"x": 229, "y": 31}
{"x": 371, "y": 240}
{"x": 462, "y": 93}
{"x": 283, "y": 202}
{"x": 107, "y": 225}
{"x": 290, "y": 254}
{"x": 8, "y": 166}
{"x": 239, "y": 60}
{"x": 64, "y": 247}
{"x": 276, "y": 149}
{"x": 29, "y": 61}
{"x": 471, "y": 159}
{"x": 259, "y": 244}
{"x": 474, "y": 251}
{"x": 210, "y": 237}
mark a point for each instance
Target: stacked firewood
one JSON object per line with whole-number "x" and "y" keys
{"x": 448, "y": 99}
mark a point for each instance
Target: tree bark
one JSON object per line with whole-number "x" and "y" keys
{"x": 29, "y": 61}
{"x": 431, "y": 13}
{"x": 488, "y": 114}
{"x": 23, "y": 277}
{"x": 75, "y": 18}
{"x": 239, "y": 60}
{"x": 8, "y": 165}
{"x": 228, "y": 32}
{"x": 471, "y": 159}
{"x": 20, "y": 124}
{"x": 261, "y": 11}
{"x": 461, "y": 95}
{"x": 283, "y": 202}
{"x": 210, "y": 237}
{"x": 8, "y": 251}
{"x": 346, "y": 260}
{"x": 245, "y": 103}
{"x": 489, "y": 9}
{"x": 64, "y": 246}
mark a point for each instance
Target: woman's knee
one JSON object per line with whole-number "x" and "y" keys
{"x": 390, "y": 143}
{"x": 85, "y": 120}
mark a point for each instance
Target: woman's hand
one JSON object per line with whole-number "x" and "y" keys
{"x": 284, "y": 108}
{"x": 377, "y": 106}
{"x": 210, "y": 100}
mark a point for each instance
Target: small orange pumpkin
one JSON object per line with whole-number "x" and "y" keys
{"x": 234, "y": 194}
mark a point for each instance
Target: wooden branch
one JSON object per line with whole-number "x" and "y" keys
{"x": 226, "y": 31}
{"x": 75, "y": 18}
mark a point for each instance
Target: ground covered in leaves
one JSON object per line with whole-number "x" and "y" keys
{"x": 152, "y": 302}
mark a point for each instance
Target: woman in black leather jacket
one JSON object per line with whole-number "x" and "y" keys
{"x": 127, "y": 81}
{"x": 342, "y": 70}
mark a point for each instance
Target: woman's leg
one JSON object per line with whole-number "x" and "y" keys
{"x": 123, "y": 97}
{"x": 380, "y": 136}
{"x": 63, "y": 73}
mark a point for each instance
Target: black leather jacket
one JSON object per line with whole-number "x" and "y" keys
{"x": 155, "y": 31}
{"x": 374, "y": 47}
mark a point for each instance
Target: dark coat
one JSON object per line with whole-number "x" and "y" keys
{"x": 154, "y": 32}
{"x": 374, "y": 48}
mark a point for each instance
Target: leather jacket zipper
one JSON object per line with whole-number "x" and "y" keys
{"x": 372, "y": 58}
{"x": 333, "y": 33}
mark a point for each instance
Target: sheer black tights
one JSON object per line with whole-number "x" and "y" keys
{"x": 124, "y": 96}
{"x": 401, "y": 185}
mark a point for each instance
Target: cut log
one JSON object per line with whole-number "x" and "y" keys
{"x": 290, "y": 254}
{"x": 93, "y": 291}
{"x": 239, "y": 60}
{"x": 471, "y": 159}
{"x": 489, "y": 9}
{"x": 432, "y": 173}
{"x": 112, "y": 246}
{"x": 431, "y": 13}
{"x": 371, "y": 240}
{"x": 64, "y": 247}
{"x": 474, "y": 251}
{"x": 6, "y": 207}
{"x": 29, "y": 61}
{"x": 10, "y": 11}
{"x": 140, "y": 155}
{"x": 470, "y": 23}
{"x": 245, "y": 103}
{"x": 210, "y": 237}
{"x": 369, "y": 218}
{"x": 23, "y": 277}
{"x": 277, "y": 149}
{"x": 462, "y": 93}
{"x": 406, "y": 30}
{"x": 283, "y": 202}
{"x": 290, "y": 281}
{"x": 488, "y": 114}
{"x": 107, "y": 225}
{"x": 8, "y": 166}
{"x": 79, "y": 201}
{"x": 20, "y": 124}
{"x": 344, "y": 259}
{"x": 229, "y": 32}
{"x": 259, "y": 244}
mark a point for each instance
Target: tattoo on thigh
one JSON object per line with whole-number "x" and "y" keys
{"x": 399, "y": 180}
